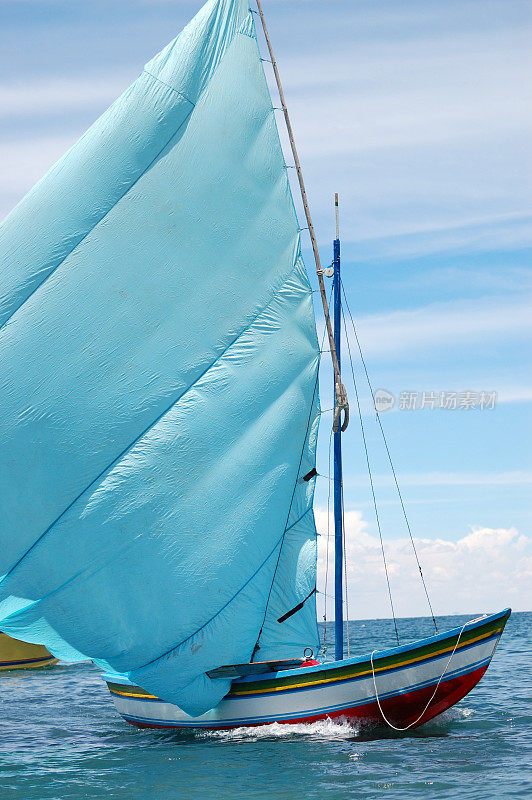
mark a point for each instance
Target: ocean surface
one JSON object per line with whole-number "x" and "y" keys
{"x": 61, "y": 739}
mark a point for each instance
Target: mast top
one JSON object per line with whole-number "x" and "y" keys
{"x": 336, "y": 215}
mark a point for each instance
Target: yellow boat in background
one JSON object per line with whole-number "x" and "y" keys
{"x": 15, "y": 654}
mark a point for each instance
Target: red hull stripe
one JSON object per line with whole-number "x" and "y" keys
{"x": 402, "y": 710}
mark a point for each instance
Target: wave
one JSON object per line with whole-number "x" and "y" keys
{"x": 323, "y": 729}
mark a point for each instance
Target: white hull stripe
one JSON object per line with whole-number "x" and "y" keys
{"x": 353, "y": 679}
{"x": 299, "y": 715}
{"x": 329, "y": 684}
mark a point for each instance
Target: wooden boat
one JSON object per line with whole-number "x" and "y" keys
{"x": 162, "y": 317}
{"x": 414, "y": 684}
{"x": 15, "y": 654}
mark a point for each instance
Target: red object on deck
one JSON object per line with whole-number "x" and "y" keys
{"x": 310, "y": 662}
{"x": 402, "y": 709}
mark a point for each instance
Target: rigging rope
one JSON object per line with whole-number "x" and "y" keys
{"x": 371, "y": 482}
{"x": 415, "y": 722}
{"x": 389, "y": 456}
{"x": 324, "y": 647}
{"x": 345, "y": 572}
{"x": 309, "y": 420}
{"x": 341, "y": 400}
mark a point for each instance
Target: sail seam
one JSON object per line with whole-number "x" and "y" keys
{"x": 208, "y": 622}
{"x": 172, "y": 89}
{"x": 278, "y": 543}
{"x": 132, "y": 444}
{"x": 293, "y": 525}
{"x": 207, "y": 83}
{"x": 152, "y": 162}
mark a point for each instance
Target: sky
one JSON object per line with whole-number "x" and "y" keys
{"x": 418, "y": 112}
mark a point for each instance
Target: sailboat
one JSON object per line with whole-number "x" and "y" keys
{"x": 15, "y": 654}
{"x": 160, "y": 410}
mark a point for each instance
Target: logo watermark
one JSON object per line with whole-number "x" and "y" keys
{"x": 384, "y": 400}
{"x": 420, "y": 401}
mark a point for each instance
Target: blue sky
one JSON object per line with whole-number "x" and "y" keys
{"x": 417, "y": 114}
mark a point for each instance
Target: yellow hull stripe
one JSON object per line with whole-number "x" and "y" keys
{"x": 134, "y": 694}
{"x": 361, "y": 674}
{"x": 322, "y": 681}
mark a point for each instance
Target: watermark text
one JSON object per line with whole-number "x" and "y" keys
{"x": 449, "y": 400}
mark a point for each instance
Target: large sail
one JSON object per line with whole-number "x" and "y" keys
{"x": 158, "y": 406}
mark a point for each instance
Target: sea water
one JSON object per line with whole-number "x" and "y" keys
{"x": 61, "y": 739}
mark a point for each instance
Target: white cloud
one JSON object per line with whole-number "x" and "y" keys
{"x": 421, "y": 120}
{"x": 424, "y": 136}
{"x": 445, "y": 324}
{"x": 396, "y": 225}
{"x": 23, "y": 163}
{"x": 456, "y": 322}
{"x": 59, "y": 94}
{"x": 511, "y": 478}
{"x": 412, "y": 91}
{"x": 485, "y": 570}
{"x": 515, "y": 394}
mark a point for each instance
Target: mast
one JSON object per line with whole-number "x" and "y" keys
{"x": 340, "y": 394}
{"x": 338, "y": 515}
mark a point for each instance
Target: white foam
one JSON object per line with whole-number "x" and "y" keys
{"x": 324, "y": 729}
{"x": 451, "y": 715}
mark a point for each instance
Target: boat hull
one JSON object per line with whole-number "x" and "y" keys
{"x": 406, "y": 679}
{"x": 15, "y": 654}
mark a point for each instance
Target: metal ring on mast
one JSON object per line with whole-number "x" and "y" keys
{"x": 341, "y": 401}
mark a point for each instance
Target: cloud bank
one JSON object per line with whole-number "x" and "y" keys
{"x": 487, "y": 569}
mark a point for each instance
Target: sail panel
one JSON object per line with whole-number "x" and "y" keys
{"x": 295, "y": 584}
{"x": 90, "y": 179}
{"x": 295, "y": 577}
{"x": 162, "y": 383}
{"x": 106, "y": 330}
{"x": 82, "y": 187}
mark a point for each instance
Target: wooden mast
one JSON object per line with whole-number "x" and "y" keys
{"x": 340, "y": 393}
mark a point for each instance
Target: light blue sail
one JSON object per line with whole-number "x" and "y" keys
{"x": 158, "y": 404}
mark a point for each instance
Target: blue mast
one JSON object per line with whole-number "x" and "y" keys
{"x": 338, "y": 516}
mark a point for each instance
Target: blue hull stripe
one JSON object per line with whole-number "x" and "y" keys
{"x": 378, "y": 673}
{"x": 324, "y": 710}
{"x": 27, "y": 661}
{"x": 312, "y": 687}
